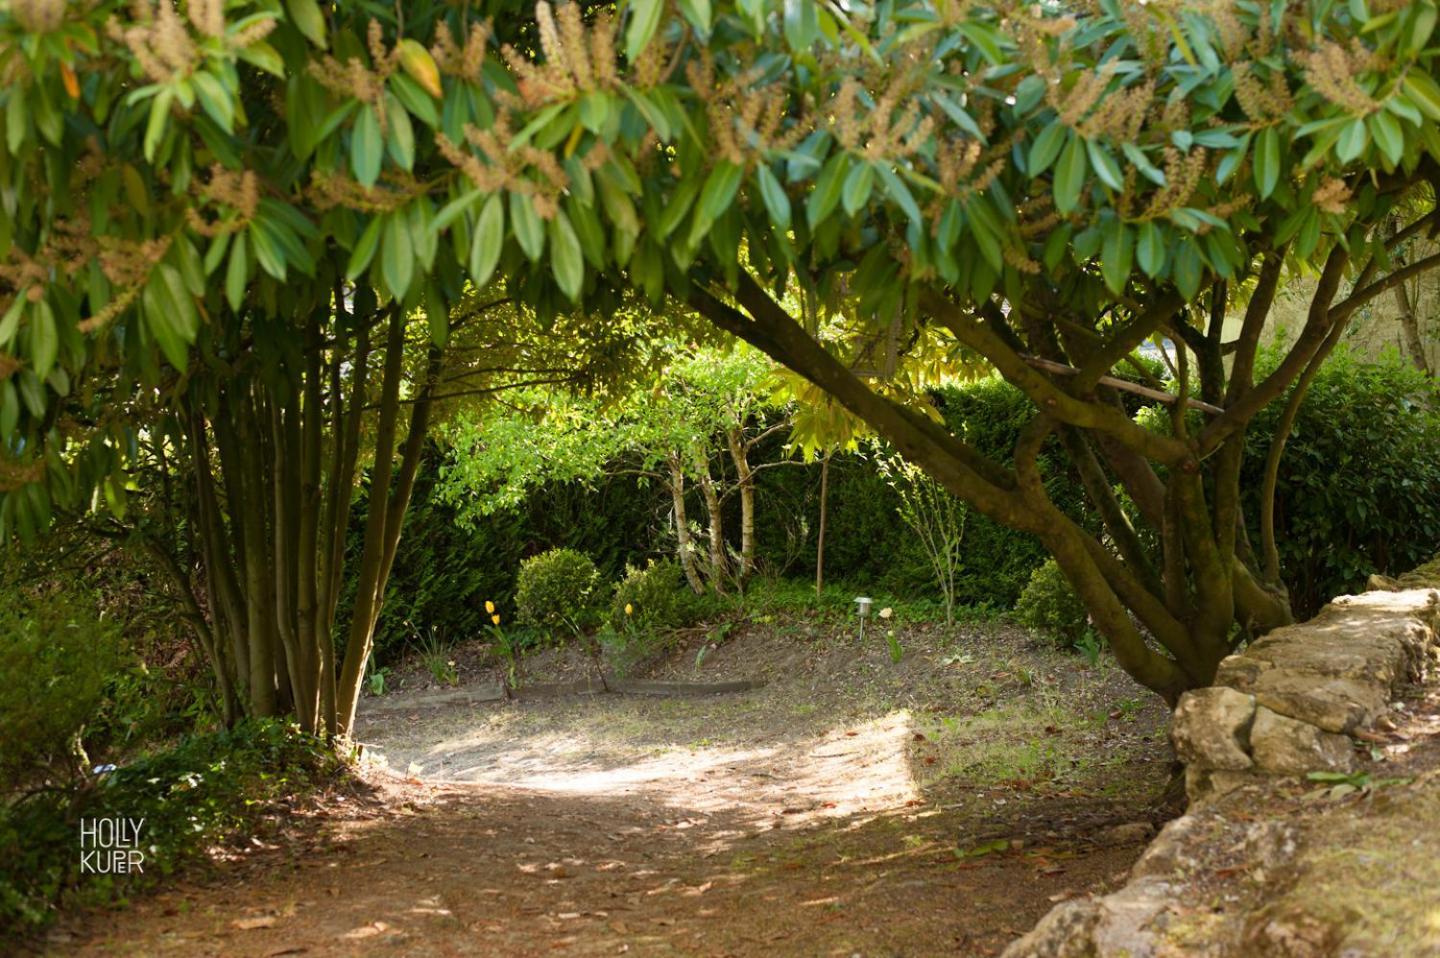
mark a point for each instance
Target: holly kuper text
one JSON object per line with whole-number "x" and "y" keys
{"x": 111, "y": 846}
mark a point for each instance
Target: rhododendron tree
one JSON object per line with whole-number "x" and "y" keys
{"x": 208, "y": 207}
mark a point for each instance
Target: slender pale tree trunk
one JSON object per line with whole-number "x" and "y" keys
{"x": 684, "y": 547}
{"x": 820, "y": 530}
{"x": 719, "y": 567}
{"x": 385, "y": 513}
{"x": 1410, "y": 327}
{"x": 745, "y": 479}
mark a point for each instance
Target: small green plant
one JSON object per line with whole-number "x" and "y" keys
{"x": 1090, "y": 647}
{"x": 1337, "y": 785}
{"x": 934, "y": 514}
{"x": 556, "y": 590}
{"x": 375, "y": 681}
{"x": 1129, "y": 709}
{"x": 897, "y": 651}
{"x": 990, "y": 847}
{"x": 1050, "y": 606}
{"x": 507, "y": 649}
{"x": 434, "y": 654}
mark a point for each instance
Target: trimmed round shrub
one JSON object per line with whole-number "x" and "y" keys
{"x": 656, "y": 597}
{"x": 1050, "y": 606}
{"x": 556, "y": 589}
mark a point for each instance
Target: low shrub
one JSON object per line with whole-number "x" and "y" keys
{"x": 447, "y": 566}
{"x": 210, "y": 790}
{"x": 1050, "y": 606}
{"x": 655, "y": 597}
{"x": 61, "y": 657}
{"x": 556, "y": 590}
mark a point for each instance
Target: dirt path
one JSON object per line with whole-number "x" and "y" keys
{"x": 758, "y": 824}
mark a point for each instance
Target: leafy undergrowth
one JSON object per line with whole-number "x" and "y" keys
{"x": 211, "y": 798}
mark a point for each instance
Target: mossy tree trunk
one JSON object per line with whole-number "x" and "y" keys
{"x": 684, "y": 547}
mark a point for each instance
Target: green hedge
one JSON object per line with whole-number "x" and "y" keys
{"x": 867, "y": 545}
{"x": 446, "y": 571}
{"x": 1359, "y": 486}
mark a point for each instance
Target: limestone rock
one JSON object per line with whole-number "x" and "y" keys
{"x": 1126, "y": 834}
{"x": 1211, "y": 728}
{"x": 1065, "y": 932}
{"x": 1373, "y": 649}
{"x": 1240, "y": 671}
{"x": 1244, "y": 874}
{"x": 1128, "y": 923}
{"x": 1289, "y": 931}
{"x": 1172, "y": 853}
{"x": 1333, "y": 704}
{"x": 1283, "y": 746}
{"x": 1203, "y": 784}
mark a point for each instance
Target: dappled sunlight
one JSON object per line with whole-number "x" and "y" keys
{"x": 563, "y": 764}
{"x": 857, "y": 769}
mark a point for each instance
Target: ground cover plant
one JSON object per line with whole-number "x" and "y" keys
{"x": 210, "y": 793}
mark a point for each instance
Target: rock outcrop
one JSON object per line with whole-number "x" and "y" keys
{"x": 1288, "y": 704}
{"x": 1273, "y": 859}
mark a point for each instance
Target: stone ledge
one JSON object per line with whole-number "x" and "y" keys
{"x": 1287, "y": 704}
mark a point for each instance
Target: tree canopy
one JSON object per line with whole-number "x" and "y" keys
{"x": 1004, "y": 184}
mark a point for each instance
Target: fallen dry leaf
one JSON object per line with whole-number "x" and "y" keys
{"x": 250, "y": 924}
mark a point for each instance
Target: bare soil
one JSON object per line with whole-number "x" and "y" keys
{"x": 854, "y": 805}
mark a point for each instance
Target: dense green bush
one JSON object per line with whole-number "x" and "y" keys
{"x": 1359, "y": 485}
{"x": 997, "y": 560}
{"x": 209, "y": 790}
{"x": 654, "y": 597}
{"x": 1050, "y": 606}
{"x": 556, "y": 590}
{"x": 60, "y": 659}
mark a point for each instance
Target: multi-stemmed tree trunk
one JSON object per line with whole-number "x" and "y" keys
{"x": 739, "y": 448}
{"x": 717, "y": 568}
{"x": 1170, "y": 612}
{"x": 275, "y": 447}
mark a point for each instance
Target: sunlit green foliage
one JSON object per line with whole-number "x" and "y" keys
{"x": 544, "y": 436}
{"x": 208, "y": 791}
{"x": 59, "y": 658}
